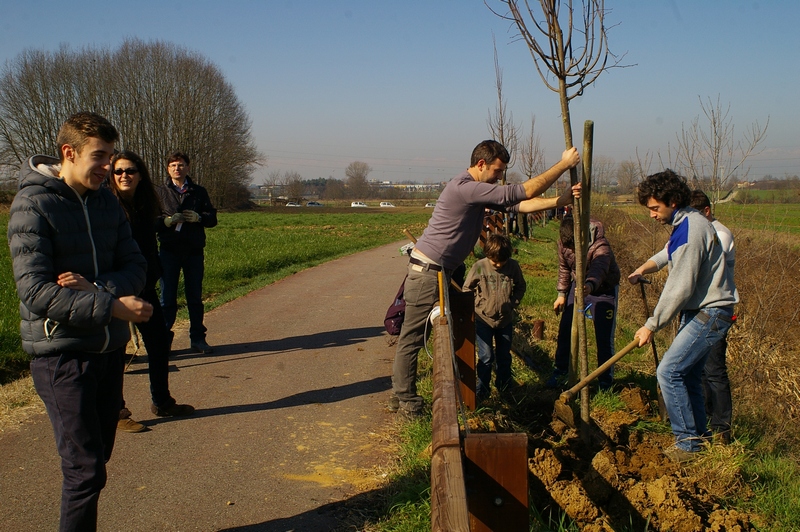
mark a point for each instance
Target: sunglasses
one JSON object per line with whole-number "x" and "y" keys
{"x": 129, "y": 171}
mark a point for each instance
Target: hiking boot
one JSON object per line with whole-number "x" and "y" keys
{"x": 128, "y": 425}
{"x": 409, "y": 415}
{"x": 394, "y": 403}
{"x": 679, "y": 456}
{"x": 722, "y": 438}
{"x": 200, "y": 346}
{"x": 174, "y": 410}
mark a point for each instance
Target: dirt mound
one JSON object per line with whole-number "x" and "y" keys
{"x": 619, "y": 478}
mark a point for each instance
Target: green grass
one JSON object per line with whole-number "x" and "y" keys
{"x": 778, "y": 217}
{"x": 246, "y": 251}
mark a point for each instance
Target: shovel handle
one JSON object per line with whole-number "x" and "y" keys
{"x": 569, "y": 394}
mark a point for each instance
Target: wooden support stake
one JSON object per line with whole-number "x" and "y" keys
{"x": 462, "y": 309}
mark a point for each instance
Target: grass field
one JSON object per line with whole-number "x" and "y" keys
{"x": 251, "y": 249}
{"x": 245, "y": 251}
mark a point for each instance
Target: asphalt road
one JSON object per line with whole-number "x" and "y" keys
{"x": 290, "y": 423}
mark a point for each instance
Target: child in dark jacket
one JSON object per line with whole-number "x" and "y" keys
{"x": 499, "y": 285}
{"x": 600, "y": 294}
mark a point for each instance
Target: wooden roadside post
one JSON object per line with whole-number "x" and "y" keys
{"x": 448, "y": 491}
{"x": 496, "y": 473}
{"x": 462, "y": 308}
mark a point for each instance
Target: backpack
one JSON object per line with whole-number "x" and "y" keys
{"x": 396, "y": 312}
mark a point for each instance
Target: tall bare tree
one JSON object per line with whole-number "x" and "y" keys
{"x": 501, "y": 124}
{"x": 531, "y": 154}
{"x": 357, "y": 173}
{"x": 708, "y": 149}
{"x": 603, "y": 169}
{"x": 169, "y": 99}
{"x": 567, "y": 68}
{"x": 627, "y": 177}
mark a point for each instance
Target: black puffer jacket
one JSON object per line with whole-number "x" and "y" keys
{"x": 185, "y": 236}
{"x": 53, "y": 230}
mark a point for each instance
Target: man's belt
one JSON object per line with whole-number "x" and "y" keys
{"x": 425, "y": 265}
{"x": 703, "y": 317}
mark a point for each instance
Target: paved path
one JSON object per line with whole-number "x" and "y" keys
{"x": 290, "y": 417}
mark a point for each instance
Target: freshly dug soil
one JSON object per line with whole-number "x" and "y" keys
{"x": 620, "y": 478}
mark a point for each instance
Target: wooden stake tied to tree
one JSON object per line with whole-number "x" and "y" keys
{"x": 567, "y": 67}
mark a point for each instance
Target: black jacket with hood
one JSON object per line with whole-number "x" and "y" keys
{"x": 52, "y": 230}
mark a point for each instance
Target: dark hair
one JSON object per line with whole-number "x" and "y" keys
{"x": 145, "y": 205}
{"x": 489, "y": 150}
{"x": 699, "y": 200}
{"x": 176, "y": 156}
{"x": 667, "y": 187}
{"x": 498, "y": 247}
{"x": 78, "y": 128}
{"x": 567, "y": 232}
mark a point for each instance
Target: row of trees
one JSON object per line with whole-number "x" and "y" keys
{"x": 291, "y": 185}
{"x": 161, "y": 98}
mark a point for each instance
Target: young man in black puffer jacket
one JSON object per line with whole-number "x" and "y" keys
{"x": 77, "y": 271}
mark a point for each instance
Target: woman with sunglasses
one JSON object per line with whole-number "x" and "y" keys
{"x": 130, "y": 182}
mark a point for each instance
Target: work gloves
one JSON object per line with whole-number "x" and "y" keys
{"x": 178, "y": 217}
{"x": 191, "y": 216}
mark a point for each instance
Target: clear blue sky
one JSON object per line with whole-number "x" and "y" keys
{"x": 407, "y": 86}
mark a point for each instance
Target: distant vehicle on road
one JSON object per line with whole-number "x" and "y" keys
{"x": 292, "y": 204}
{"x": 358, "y": 204}
{"x": 313, "y": 204}
{"x": 386, "y": 204}
{"x": 430, "y": 205}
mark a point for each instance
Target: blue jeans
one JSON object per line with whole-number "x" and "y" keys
{"x": 82, "y": 394}
{"x": 193, "y": 265}
{"x": 485, "y": 336}
{"x": 680, "y": 373}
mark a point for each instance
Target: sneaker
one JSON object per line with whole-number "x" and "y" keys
{"x": 200, "y": 346}
{"x": 174, "y": 410}
{"x": 129, "y": 425}
{"x": 394, "y": 403}
{"x": 679, "y": 456}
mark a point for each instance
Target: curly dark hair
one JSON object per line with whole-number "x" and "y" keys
{"x": 145, "y": 204}
{"x": 667, "y": 187}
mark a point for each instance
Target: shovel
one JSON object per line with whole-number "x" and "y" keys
{"x": 662, "y": 407}
{"x": 562, "y": 409}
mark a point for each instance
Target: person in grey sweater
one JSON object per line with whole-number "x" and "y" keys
{"x": 698, "y": 289}
{"x": 451, "y": 234}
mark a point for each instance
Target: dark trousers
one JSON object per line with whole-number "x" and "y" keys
{"x": 494, "y": 347}
{"x": 157, "y": 340}
{"x": 717, "y": 388}
{"x": 82, "y": 393}
{"x": 193, "y": 266}
{"x": 604, "y": 318}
